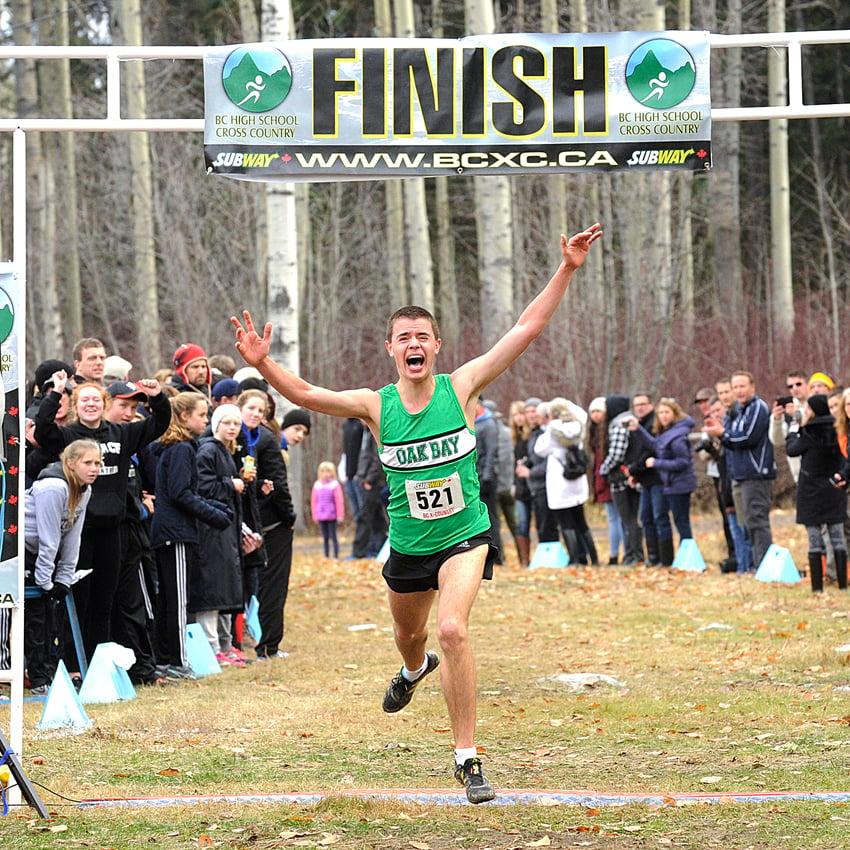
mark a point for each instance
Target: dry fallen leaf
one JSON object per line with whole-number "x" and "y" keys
{"x": 169, "y": 771}
{"x": 205, "y": 841}
{"x": 418, "y": 845}
{"x": 542, "y": 842}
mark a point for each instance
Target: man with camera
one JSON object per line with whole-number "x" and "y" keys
{"x": 788, "y": 409}
{"x": 750, "y": 460}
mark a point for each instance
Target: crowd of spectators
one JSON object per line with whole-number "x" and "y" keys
{"x": 188, "y": 516}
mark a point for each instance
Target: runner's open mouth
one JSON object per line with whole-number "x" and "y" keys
{"x": 415, "y": 360}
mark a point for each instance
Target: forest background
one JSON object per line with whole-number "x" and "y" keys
{"x": 129, "y": 240}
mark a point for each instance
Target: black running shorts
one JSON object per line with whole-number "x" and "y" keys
{"x": 415, "y": 573}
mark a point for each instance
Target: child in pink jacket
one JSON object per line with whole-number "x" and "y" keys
{"x": 327, "y": 506}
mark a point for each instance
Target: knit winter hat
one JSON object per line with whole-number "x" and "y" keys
{"x": 823, "y": 378}
{"x": 819, "y": 404}
{"x": 597, "y": 404}
{"x": 189, "y": 353}
{"x": 44, "y": 372}
{"x": 297, "y": 416}
{"x": 221, "y": 411}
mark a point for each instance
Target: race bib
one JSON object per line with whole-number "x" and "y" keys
{"x": 435, "y": 499}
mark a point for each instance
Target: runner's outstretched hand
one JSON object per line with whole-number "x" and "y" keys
{"x": 253, "y": 347}
{"x": 574, "y": 249}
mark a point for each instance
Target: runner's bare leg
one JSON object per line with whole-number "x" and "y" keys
{"x": 460, "y": 578}
{"x": 410, "y": 612}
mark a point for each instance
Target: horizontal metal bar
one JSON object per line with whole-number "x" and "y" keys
{"x": 795, "y": 109}
{"x": 103, "y": 125}
{"x": 779, "y": 39}
{"x": 13, "y": 51}
{"x": 720, "y": 40}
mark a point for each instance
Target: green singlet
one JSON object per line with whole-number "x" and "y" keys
{"x": 429, "y": 458}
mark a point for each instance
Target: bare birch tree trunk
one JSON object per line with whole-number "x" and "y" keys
{"x": 780, "y": 189}
{"x": 250, "y": 24}
{"x": 56, "y": 88}
{"x": 647, "y": 256}
{"x": 417, "y": 237}
{"x": 393, "y": 194}
{"x": 557, "y": 185}
{"x": 282, "y": 263}
{"x": 824, "y": 212}
{"x": 129, "y": 30}
{"x": 283, "y": 278}
{"x": 724, "y": 199}
{"x": 493, "y": 220}
{"x": 683, "y": 248}
{"x": 448, "y": 307}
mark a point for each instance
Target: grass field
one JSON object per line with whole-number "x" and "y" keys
{"x": 720, "y": 684}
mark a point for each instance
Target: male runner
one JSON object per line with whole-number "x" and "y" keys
{"x": 439, "y": 528}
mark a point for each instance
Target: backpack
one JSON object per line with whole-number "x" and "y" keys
{"x": 576, "y": 462}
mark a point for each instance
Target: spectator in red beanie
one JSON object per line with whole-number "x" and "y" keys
{"x": 191, "y": 370}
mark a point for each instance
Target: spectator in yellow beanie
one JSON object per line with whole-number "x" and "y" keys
{"x": 821, "y": 383}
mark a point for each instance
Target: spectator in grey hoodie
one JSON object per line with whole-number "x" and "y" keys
{"x": 55, "y": 507}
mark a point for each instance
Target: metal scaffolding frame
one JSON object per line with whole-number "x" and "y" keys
{"x": 113, "y": 121}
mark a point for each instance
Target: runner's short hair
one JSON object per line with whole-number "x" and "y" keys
{"x": 411, "y": 312}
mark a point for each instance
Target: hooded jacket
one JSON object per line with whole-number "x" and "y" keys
{"x": 216, "y": 580}
{"x": 617, "y": 416}
{"x": 816, "y": 444}
{"x": 674, "y": 459}
{"x": 118, "y": 443}
{"x": 51, "y": 533}
{"x": 551, "y": 444}
{"x": 179, "y": 506}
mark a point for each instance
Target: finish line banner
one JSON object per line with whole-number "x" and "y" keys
{"x": 362, "y": 109}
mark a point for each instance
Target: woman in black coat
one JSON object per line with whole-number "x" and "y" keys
{"x": 216, "y": 584}
{"x": 819, "y": 500}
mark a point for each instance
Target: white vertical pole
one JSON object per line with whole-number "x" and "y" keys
{"x": 113, "y": 87}
{"x": 19, "y": 264}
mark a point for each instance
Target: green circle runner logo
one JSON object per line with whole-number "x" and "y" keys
{"x": 660, "y": 73}
{"x": 257, "y": 79}
{"x": 7, "y": 315}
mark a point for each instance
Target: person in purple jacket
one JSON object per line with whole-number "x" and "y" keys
{"x": 673, "y": 459}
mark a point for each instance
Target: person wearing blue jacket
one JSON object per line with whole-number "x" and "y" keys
{"x": 175, "y": 526}
{"x": 749, "y": 458}
{"x": 673, "y": 459}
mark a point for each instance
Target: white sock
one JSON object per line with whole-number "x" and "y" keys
{"x": 464, "y": 753}
{"x": 413, "y": 675}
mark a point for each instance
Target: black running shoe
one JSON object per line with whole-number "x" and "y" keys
{"x": 400, "y": 691}
{"x": 470, "y": 774}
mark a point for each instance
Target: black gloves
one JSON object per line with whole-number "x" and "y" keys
{"x": 57, "y": 592}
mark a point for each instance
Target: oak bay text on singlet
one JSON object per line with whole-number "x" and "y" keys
{"x": 429, "y": 458}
